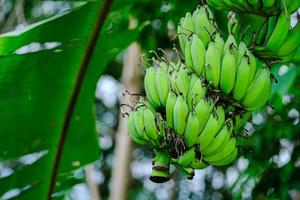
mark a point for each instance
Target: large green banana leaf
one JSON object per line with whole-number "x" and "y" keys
{"x": 48, "y": 75}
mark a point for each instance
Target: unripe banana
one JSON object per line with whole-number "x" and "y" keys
{"x": 203, "y": 24}
{"x": 220, "y": 140}
{"x": 196, "y": 93}
{"x": 132, "y": 131}
{"x": 162, "y": 83}
{"x": 229, "y": 44}
{"x": 211, "y": 128}
{"x": 291, "y": 42}
{"x": 171, "y": 100}
{"x": 138, "y": 119}
{"x": 228, "y": 72}
{"x": 198, "y": 54}
{"x": 187, "y": 157}
{"x": 149, "y": 83}
{"x": 242, "y": 50}
{"x": 160, "y": 124}
{"x": 230, "y": 158}
{"x": 262, "y": 34}
{"x": 220, "y": 115}
{"x": 226, "y": 151}
{"x": 191, "y": 130}
{"x": 180, "y": 81}
{"x": 181, "y": 36}
{"x": 180, "y": 114}
{"x": 203, "y": 110}
{"x": 259, "y": 91}
{"x": 279, "y": 33}
{"x": 212, "y": 64}
{"x": 219, "y": 42}
{"x": 252, "y": 66}
{"x": 188, "y": 23}
{"x": 242, "y": 80}
{"x": 188, "y": 54}
{"x": 150, "y": 127}
{"x": 198, "y": 164}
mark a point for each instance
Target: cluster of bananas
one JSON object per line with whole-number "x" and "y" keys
{"x": 194, "y": 108}
{"x": 186, "y": 126}
{"x": 226, "y": 66}
{"x": 265, "y": 26}
{"x": 260, "y": 7}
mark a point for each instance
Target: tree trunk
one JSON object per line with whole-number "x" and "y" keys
{"x": 123, "y": 151}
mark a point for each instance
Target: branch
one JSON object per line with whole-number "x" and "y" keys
{"x": 101, "y": 16}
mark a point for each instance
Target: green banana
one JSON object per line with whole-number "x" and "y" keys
{"x": 149, "y": 83}
{"x": 259, "y": 91}
{"x": 196, "y": 93}
{"x": 228, "y": 72}
{"x": 219, "y": 42}
{"x": 132, "y": 131}
{"x": 211, "y": 128}
{"x": 212, "y": 64}
{"x": 171, "y": 100}
{"x": 188, "y": 23}
{"x": 252, "y": 65}
{"x": 220, "y": 115}
{"x": 181, "y": 36}
{"x": 198, "y": 164}
{"x": 203, "y": 24}
{"x": 230, "y": 158}
{"x": 187, "y": 157}
{"x": 180, "y": 81}
{"x": 242, "y": 80}
{"x": 191, "y": 131}
{"x": 180, "y": 114}
{"x": 279, "y": 33}
{"x": 162, "y": 83}
{"x": 226, "y": 151}
{"x": 188, "y": 54}
{"x": 203, "y": 110}
{"x": 291, "y": 42}
{"x": 220, "y": 140}
{"x": 229, "y": 44}
{"x": 242, "y": 50}
{"x": 198, "y": 54}
{"x": 150, "y": 126}
{"x": 262, "y": 34}
{"x": 138, "y": 119}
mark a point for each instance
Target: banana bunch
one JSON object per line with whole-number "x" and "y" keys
{"x": 265, "y": 26}
{"x": 231, "y": 68}
{"x": 259, "y": 7}
{"x": 195, "y": 107}
{"x": 145, "y": 126}
{"x": 279, "y": 41}
{"x": 188, "y": 129}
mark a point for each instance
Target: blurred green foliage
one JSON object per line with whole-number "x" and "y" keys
{"x": 270, "y": 160}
